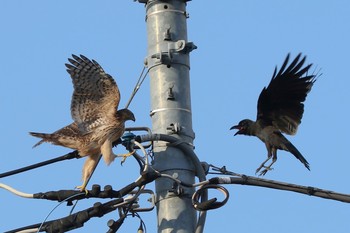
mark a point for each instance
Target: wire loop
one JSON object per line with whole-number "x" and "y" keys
{"x": 211, "y": 203}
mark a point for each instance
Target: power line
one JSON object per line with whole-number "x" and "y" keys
{"x": 149, "y": 174}
{"x": 71, "y": 155}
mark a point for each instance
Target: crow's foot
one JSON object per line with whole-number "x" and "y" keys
{"x": 263, "y": 172}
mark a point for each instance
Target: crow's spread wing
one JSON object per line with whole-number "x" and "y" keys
{"x": 281, "y": 102}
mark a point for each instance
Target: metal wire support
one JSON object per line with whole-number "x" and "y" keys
{"x": 188, "y": 151}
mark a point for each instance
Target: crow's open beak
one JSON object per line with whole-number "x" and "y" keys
{"x": 236, "y": 127}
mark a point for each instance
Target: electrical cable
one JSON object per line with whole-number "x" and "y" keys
{"x": 236, "y": 178}
{"x": 145, "y": 154}
{"x": 71, "y": 155}
{"x": 115, "y": 225}
{"x": 205, "y": 186}
{"x": 78, "y": 219}
{"x": 34, "y": 230}
{"x": 131, "y": 199}
{"x": 212, "y": 203}
{"x": 126, "y": 201}
{"x": 142, "y": 227}
{"x": 41, "y": 225}
{"x": 148, "y": 175}
{"x": 16, "y": 192}
{"x": 179, "y": 182}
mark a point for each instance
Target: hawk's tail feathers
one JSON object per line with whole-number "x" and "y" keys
{"x": 45, "y": 138}
{"x": 292, "y": 149}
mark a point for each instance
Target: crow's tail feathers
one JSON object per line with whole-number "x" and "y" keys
{"x": 292, "y": 149}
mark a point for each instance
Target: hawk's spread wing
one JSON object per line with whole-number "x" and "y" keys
{"x": 96, "y": 95}
{"x": 281, "y": 102}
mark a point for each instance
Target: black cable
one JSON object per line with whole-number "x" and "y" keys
{"x": 115, "y": 225}
{"x": 75, "y": 220}
{"x": 139, "y": 160}
{"x": 71, "y": 155}
{"x": 78, "y": 219}
{"x": 177, "y": 143}
{"x": 210, "y": 204}
{"x": 96, "y": 192}
{"x": 34, "y": 226}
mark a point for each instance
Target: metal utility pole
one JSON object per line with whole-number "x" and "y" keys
{"x": 168, "y": 64}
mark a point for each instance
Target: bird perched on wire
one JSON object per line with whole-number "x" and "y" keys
{"x": 97, "y": 122}
{"x": 280, "y": 109}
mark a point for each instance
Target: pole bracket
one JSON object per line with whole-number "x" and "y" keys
{"x": 172, "y": 54}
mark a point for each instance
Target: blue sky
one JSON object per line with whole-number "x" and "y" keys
{"x": 239, "y": 44}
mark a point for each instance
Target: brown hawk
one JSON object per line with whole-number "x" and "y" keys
{"x": 97, "y": 122}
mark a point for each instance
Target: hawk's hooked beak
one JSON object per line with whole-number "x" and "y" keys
{"x": 236, "y": 127}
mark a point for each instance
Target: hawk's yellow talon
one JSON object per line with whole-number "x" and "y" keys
{"x": 125, "y": 156}
{"x": 83, "y": 187}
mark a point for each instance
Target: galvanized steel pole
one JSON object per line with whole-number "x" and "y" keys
{"x": 168, "y": 64}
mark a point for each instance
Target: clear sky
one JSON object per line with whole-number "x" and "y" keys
{"x": 239, "y": 44}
